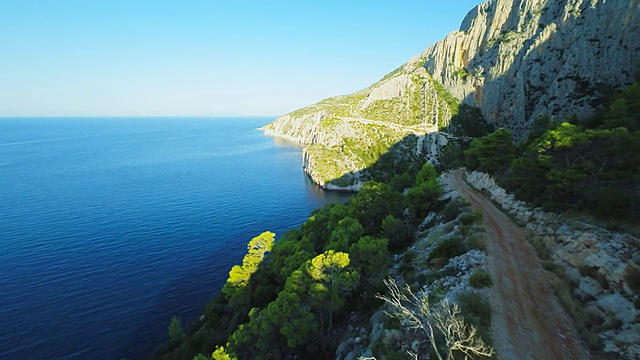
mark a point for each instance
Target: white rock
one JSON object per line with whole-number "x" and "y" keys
{"x": 618, "y": 305}
{"x": 590, "y": 286}
{"x": 629, "y": 336}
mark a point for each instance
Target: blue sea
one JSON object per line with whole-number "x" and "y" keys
{"x": 110, "y": 226}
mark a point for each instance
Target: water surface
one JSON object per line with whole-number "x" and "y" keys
{"x": 108, "y": 227}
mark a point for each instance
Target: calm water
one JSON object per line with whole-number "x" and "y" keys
{"x": 108, "y": 227}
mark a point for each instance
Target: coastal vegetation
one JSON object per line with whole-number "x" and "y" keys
{"x": 296, "y": 296}
{"x": 588, "y": 165}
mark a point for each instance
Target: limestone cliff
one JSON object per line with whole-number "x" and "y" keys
{"x": 346, "y": 134}
{"x": 514, "y": 59}
{"x": 519, "y": 59}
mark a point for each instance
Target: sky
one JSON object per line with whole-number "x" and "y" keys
{"x": 204, "y": 58}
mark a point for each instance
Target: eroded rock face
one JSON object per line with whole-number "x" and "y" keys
{"x": 346, "y": 134}
{"x": 514, "y": 59}
{"x": 519, "y": 59}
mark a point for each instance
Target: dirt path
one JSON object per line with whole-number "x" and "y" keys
{"x": 415, "y": 129}
{"x": 527, "y": 320}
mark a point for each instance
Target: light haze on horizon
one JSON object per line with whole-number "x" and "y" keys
{"x": 204, "y": 58}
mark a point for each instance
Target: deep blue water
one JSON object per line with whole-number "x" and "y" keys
{"x": 108, "y": 227}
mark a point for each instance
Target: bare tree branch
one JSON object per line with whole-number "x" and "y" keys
{"x": 415, "y": 311}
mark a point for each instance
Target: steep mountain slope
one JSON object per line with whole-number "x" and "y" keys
{"x": 519, "y": 59}
{"x": 347, "y": 134}
{"x": 516, "y": 60}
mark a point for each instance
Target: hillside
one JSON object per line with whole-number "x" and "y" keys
{"x": 520, "y": 59}
{"x": 417, "y": 264}
{"x": 346, "y": 134}
{"x": 514, "y": 60}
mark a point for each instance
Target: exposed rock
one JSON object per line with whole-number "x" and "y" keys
{"x": 618, "y": 305}
{"x": 629, "y": 336}
{"x": 594, "y": 259}
{"x": 342, "y": 134}
{"x": 442, "y": 283}
{"x": 590, "y": 286}
{"x": 517, "y": 60}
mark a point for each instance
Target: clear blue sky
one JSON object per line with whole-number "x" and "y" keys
{"x": 128, "y": 57}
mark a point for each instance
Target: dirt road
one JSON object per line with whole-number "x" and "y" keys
{"x": 527, "y": 320}
{"x": 415, "y": 129}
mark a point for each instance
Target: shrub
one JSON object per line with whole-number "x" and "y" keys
{"x": 446, "y": 250}
{"x": 476, "y": 240}
{"x": 473, "y": 217}
{"x": 424, "y": 196}
{"x": 475, "y": 307}
{"x": 587, "y": 324}
{"x": 175, "y": 329}
{"x": 400, "y": 235}
{"x": 453, "y": 209}
{"x": 492, "y": 153}
{"x": 480, "y": 278}
{"x": 476, "y": 310}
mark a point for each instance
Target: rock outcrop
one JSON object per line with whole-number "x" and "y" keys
{"x": 346, "y": 134}
{"x": 516, "y": 60}
{"x": 519, "y": 59}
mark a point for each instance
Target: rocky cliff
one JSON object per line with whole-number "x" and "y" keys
{"x": 516, "y": 60}
{"x": 519, "y": 59}
{"x": 346, "y": 134}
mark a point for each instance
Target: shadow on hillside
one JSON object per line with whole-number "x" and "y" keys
{"x": 401, "y": 162}
{"x": 400, "y": 158}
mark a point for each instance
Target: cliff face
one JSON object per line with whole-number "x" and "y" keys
{"x": 346, "y": 134}
{"x": 516, "y": 60}
{"x": 519, "y": 59}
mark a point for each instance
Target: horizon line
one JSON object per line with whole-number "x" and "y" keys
{"x": 133, "y": 116}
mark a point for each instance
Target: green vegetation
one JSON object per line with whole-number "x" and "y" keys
{"x": 462, "y": 74}
{"x": 587, "y": 166}
{"x": 492, "y": 153}
{"x": 293, "y": 297}
{"x": 424, "y": 195}
{"x": 587, "y": 323}
{"x": 445, "y": 251}
{"x": 590, "y": 166}
{"x": 480, "y": 279}
{"x": 240, "y": 275}
{"x": 175, "y": 329}
{"x": 356, "y": 131}
{"x": 504, "y": 37}
{"x": 444, "y": 326}
{"x": 476, "y": 311}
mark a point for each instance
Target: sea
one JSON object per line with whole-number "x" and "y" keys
{"x": 111, "y": 226}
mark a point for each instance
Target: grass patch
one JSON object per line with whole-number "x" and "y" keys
{"x": 476, "y": 310}
{"x": 446, "y": 250}
{"x": 476, "y": 240}
{"x": 480, "y": 279}
{"x": 587, "y": 324}
{"x": 541, "y": 249}
{"x": 473, "y": 217}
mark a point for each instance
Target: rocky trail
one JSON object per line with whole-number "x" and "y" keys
{"x": 415, "y": 129}
{"x": 527, "y": 320}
